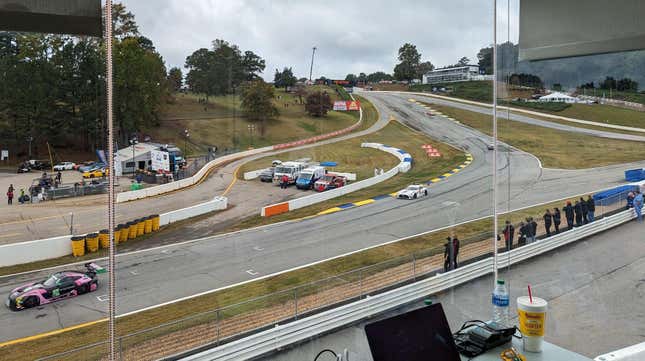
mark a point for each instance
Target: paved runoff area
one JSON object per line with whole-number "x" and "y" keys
{"x": 595, "y": 289}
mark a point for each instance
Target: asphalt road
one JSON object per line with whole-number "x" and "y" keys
{"x": 147, "y": 278}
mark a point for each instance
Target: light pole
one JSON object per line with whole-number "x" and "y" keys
{"x": 251, "y": 128}
{"x": 311, "y": 68}
{"x": 186, "y": 135}
{"x": 133, "y": 142}
{"x": 29, "y": 140}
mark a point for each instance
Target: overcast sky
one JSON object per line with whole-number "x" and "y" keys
{"x": 351, "y": 36}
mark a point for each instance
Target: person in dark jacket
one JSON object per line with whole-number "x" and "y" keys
{"x": 577, "y": 210}
{"x": 447, "y": 254}
{"x": 548, "y": 219}
{"x": 591, "y": 205}
{"x": 556, "y": 220}
{"x": 585, "y": 210}
{"x": 568, "y": 213}
{"x": 533, "y": 224}
{"x": 521, "y": 239}
{"x": 455, "y": 245}
{"x": 509, "y": 232}
{"x": 630, "y": 200}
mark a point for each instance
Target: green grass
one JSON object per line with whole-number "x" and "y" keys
{"x": 362, "y": 161}
{"x": 604, "y": 114}
{"x": 221, "y": 122}
{"x": 394, "y": 254}
{"x": 555, "y": 148}
{"x": 540, "y": 106}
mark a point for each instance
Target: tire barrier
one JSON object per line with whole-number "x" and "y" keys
{"x": 132, "y": 230}
{"x": 141, "y": 226}
{"x": 125, "y": 232}
{"x": 147, "y": 225}
{"x": 104, "y": 238}
{"x": 155, "y": 222}
{"x": 78, "y": 246}
{"x": 92, "y": 242}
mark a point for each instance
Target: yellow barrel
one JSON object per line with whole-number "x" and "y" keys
{"x": 141, "y": 226}
{"x": 78, "y": 246}
{"x": 132, "y": 233}
{"x": 104, "y": 238}
{"x": 148, "y": 225}
{"x": 155, "y": 222}
{"x": 125, "y": 230}
{"x": 117, "y": 234}
{"x": 92, "y": 242}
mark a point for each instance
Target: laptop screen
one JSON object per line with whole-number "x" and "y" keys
{"x": 420, "y": 335}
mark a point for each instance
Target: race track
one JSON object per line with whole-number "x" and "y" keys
{"x": 150, "y": 277}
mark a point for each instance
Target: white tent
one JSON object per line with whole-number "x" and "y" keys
{"x": 558, "y": 97}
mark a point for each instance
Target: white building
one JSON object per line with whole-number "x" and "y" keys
{"x": 454, "y": 74}
{"x": 557, "y": 97}
{"x": 144, "y": 156}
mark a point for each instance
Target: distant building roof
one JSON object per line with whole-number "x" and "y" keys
{"x": 139, "y": 149}
{"x": 556, "y": 95}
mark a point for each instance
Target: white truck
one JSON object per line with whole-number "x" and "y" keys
{"x": 290, "y": 169}
{"x": 309, "y": 176}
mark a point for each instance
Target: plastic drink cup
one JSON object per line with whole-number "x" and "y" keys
{"x": 532, "y": 316}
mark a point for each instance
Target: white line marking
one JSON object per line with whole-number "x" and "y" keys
{"x": 252, "y": 272}
{"x": 166, "y": 251}
{"x": 258, "y": 248}
{"x": 134, "y": 273}
{"x": 102, "y": 298}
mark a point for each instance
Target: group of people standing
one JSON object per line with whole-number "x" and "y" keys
{"x": 450, "y": 253}
{"x": 635, "y": 200}
{"x": 581, "y": 212}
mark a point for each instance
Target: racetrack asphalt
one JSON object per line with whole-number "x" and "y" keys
{"x": 147, "y": 278}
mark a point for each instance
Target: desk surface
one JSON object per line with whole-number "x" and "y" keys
{"x": 550, "y": 352}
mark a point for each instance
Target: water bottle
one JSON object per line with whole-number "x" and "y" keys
{"x": 501, "y": 304}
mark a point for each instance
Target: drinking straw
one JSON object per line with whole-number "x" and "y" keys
{"x": 530, "y": 296}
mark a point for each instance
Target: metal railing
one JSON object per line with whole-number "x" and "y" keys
{"x": 196, "y": 163}
{"x": 229, "y": 323}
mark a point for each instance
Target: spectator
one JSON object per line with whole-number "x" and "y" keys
{"x": 568, "y": 213}
{"x": 577, "y": 210}
{"x": 284, "y": 181}
{"x": 455, "y": 245}
{"x": 591, "y": 205}
{"x": 585, "y": 210}
{"x": 59, "y": 177}
{"x": 556, "y": 220}
{"x": 630, "y": 200}
{"x": 533, "y": 225}
{"x": 548, "y": 219}
{"x": 521, "y": 240}
{"x": 529, "y": 231}
{"x": 10, "y": 195}
{"x": 375, "y": 172}
{"x": 446, "y": 254}
{"x": 509, "y": 232}
{"x": 21, "y": 199}
{"x": 638, "y": 205}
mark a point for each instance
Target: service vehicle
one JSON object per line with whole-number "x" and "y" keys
{"x": 91, "y": 166}
{"x": 96, "y": 173}
{"x": 412, "y": 191}
{"x": 38, "y": 164}
{"x": 309, "y": 176}
{"x": 24, "y": 167}
{"x": 290, "y": 169}
{"x": 54, "y": 288}
{"x": 64, "y": 166}
{"x": 329, "y": 181}
{"x": 267, "y": 175}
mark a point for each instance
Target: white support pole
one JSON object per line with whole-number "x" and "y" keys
{"x": 495, "y": 140}
{"x": 110, "y": 141}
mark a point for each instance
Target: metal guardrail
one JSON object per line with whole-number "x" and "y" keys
{"x": 284, "y": 335}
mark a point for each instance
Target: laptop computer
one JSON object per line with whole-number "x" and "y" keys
{"x": 420, "y": 335}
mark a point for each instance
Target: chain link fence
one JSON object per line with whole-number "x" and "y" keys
{"x": 224, "y": 324}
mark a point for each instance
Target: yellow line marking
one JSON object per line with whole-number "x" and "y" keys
{"x": 228, "y": 189}
{"x": 330, "y": 210}
{"x": 51, "y": 333}
{"x": 362, "y": 203}
{"x": 435, "y": 180}
{"x": 446, "y": 175}
{"x": 393, "y": 194}
{"x": 412, "y": 100}
{"x": 456, "y": 170}
{"x": 462, "y": 166}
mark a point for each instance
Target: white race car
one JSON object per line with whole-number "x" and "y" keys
{"x": 412, "y": 191}
{"x": 64, "y": 166}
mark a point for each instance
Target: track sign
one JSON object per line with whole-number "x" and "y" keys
{"x": 342, "y": 105}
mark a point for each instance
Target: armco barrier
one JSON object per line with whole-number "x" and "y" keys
{"x": 404, "y": 165}
{"x": 42, "y": 249}
{"x": 281, "y": 336}
{"x": 631, "y": 353}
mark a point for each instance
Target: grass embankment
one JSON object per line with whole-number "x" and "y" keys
{"x": 603, "y": 114}
{"x": 353, "y": 158}
{"x": 423, "y": 246}
{"x": 221, "y": 122}
{"x": 555, "y": 148}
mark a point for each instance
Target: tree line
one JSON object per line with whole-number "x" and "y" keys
{"x": 52, "y": 87}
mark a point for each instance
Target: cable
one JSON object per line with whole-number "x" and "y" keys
{"x": 323, "y": 351}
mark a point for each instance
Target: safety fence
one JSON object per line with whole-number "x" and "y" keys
{"x": 235, "y": 324}
{"x": 77, "y": 190}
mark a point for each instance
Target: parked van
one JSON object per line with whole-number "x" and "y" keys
{"x": 290, "y": 169}
{"x": 309, "y": 176}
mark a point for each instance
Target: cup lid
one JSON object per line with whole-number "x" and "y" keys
{"x": 525, "y": 301}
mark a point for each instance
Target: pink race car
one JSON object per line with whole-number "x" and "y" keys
{"x": 56, "y": 287}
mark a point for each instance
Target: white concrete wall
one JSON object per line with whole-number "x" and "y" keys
{"x": 42, "y": 249}
{"x": 169, "y": 187}
{"x": 253, "y": 174}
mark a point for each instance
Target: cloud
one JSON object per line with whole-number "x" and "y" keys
{"x": 351, "y": 37}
